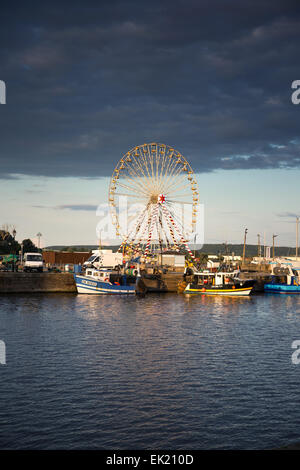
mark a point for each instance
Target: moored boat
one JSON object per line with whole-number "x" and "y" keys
{"x": 219, "y": 283}
{"x": 104, "y": 281}
{"x": 289, "y": 283}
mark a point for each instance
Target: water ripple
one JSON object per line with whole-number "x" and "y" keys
{"x": 163, "y": 372}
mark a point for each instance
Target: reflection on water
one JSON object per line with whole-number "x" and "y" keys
{"x": 166, "y": 371}
{"x": 225, "y": 303}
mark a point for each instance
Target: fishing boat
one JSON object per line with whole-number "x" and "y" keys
{"x": 284, "y": 281}
{"x": 105, "y": 281}
{"x": 219, "y": 283}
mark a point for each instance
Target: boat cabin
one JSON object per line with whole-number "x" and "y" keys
{"x": 100, "y": 274}
{"x": 215, "y": 279}
{"x": 285, "y": 275}
{"x": 112, "y": 276}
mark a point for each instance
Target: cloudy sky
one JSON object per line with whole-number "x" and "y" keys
{"x": 88, "y": 80}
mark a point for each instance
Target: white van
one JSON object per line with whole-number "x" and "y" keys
{"x": 103, "y": 258}
{"x": 33, "y": 262}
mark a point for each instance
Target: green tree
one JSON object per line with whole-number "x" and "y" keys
{"x": 29, "y": 246}
{"x": 8, "y": 244}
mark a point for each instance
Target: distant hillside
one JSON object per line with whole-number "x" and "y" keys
{"x": 209, "y": 248}
{"x": 237, "y": 249}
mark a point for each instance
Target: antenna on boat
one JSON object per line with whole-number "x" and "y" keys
{"x": 244, "y": 249}
{"x": 100, "y": 247}
{"x": 273, "y": 237}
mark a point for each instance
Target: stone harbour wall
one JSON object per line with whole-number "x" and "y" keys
{"x": 36, "y": 282}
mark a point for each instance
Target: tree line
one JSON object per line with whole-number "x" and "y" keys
{"x": 9, "y": 245}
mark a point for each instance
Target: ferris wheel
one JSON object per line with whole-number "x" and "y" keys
{"x": 161, "y": 197}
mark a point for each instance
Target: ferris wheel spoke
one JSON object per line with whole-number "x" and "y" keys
{"x": 154, "y": 163}
{"x": 128, "y": 195}
{"x": 133, "y": 176}
{"x": 167, "y": 180}
{"x": 130, "y": 187}
{"x": 132, "y": 180}
{"x": 138, "y": 191}
{"x": 170, "y": 164}
{"x": 138, "y": 164}
{"x": 149, "y": 150}
{"x": 145, "y": 162}
{"x": 162, "y": 165}
{"x": 166, "y": 169}
{"x": 175, "y": 183}
{"x": 178, "y": 180}
{"x": 148, "y": 163}
{"x": 176, "y": 171}
{"x": 173, "y": 201}
{"x": 127, "y": 180}
{"x": 134, "y": 169}
{"x": 180, "y": 192}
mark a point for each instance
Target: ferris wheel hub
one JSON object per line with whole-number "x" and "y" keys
{"x": 154, "y": 198}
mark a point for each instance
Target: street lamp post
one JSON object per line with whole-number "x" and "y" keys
{"x": 22, "y": 247}
{"x": 274, "y": 236}
{"x": 14, "y": 233}
{"x": 244, "y": 249}
{"x": 39, "y": 239}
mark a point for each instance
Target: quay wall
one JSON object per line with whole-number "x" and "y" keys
{"x": 11, "y": 282}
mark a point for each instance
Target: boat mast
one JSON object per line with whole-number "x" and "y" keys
{"x": 274, "y": 236}
{"x": 244, "y": 249}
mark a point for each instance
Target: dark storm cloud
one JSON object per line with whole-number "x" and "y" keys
{"x": 86, "y": 81}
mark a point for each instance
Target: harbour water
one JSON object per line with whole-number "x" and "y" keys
{"x": 161, "y": 372}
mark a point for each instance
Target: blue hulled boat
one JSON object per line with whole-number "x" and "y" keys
{"x": 288, "y": 284}
{"x": 104, "y": 281}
